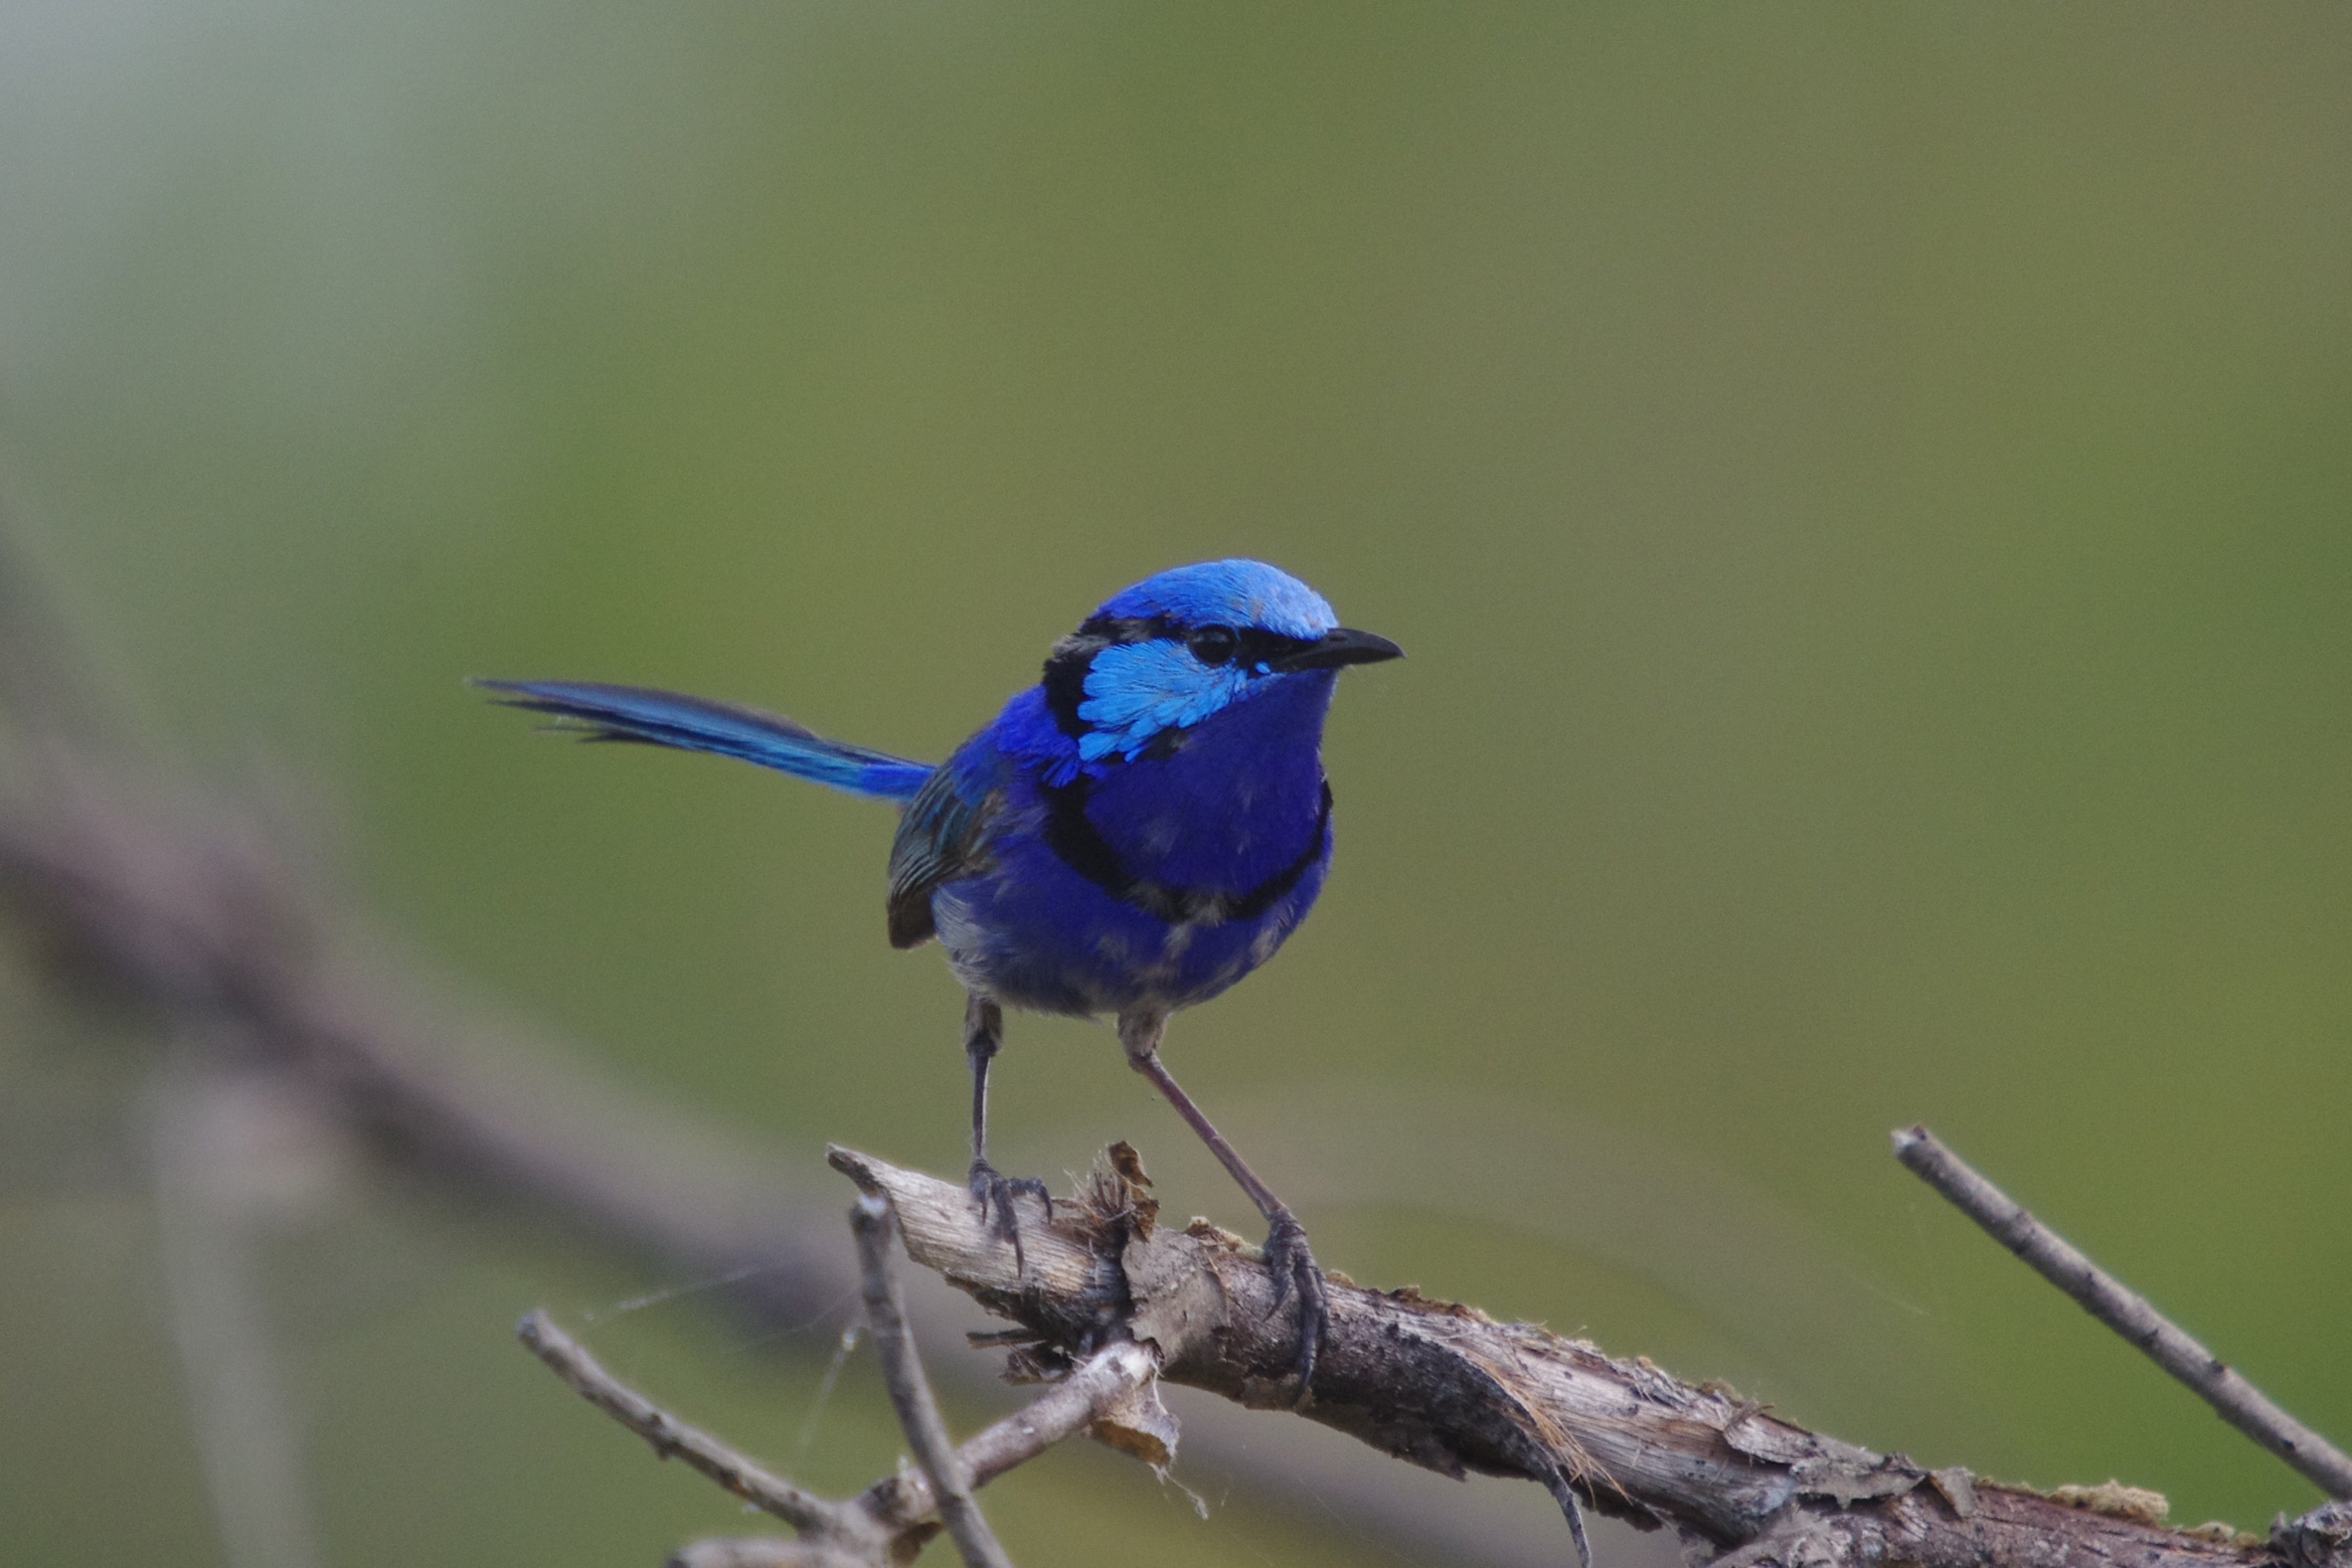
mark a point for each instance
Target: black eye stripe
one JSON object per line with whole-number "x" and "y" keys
{"x": 1106, "y": 629}
{"x": 1254, "y": 644}
{"x": 1263, "y": 647}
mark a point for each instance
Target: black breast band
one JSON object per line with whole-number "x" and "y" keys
{"x": 1079, "y": 844}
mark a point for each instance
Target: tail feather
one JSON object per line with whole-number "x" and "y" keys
{"x": 597, "y": 711}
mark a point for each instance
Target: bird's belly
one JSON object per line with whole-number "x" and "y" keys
{"x": 1032, "y": 934}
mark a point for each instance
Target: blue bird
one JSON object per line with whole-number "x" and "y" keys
{"x": 1130, "y": 836}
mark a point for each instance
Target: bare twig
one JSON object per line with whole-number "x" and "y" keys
{"x": 1111, "y": 1397}
{"x": 136, "y": 883}
{"x": 208, "y": 924}
{"x": 673, "y": 1438}
{"x": 201, "y": 918}
{"x": 2099, "y": 1293}
{"x": 884, "y": 1525}
{"x": 208, "y": 920}
{"x": 1563, "y": 1492}
{"x": 910, "y": 1391}
{"x": 1447, "y": 1387}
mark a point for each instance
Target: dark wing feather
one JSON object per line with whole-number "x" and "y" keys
{"x": 941, "y": 836}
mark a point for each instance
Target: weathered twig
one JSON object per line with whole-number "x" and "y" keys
{"x": 201, "y": 918}
{"x": 1110, "y": 1396}
{"x": 1113, "y": 1397}
{"x": 2105, "y": 1298}
{"x": 1449, "y": 1388}
{"x": 910, "y": 1391}
{"x": 670, "y": 1438}
{"x": 206, "y": 923}
{"x": 142, "y": 885}
{"x": 208, "y": 920}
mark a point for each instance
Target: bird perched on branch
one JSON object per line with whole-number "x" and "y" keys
{"x": 1130, "y": 836}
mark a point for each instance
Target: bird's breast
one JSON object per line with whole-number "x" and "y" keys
{"x": 1156, "y": 881}
{"x": 1222, "y": 833}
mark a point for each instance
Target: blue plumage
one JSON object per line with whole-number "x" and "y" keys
{"x": 1130, "y": 836}
{"x": 604, "y": 712}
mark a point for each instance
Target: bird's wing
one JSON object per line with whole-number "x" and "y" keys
{"x": 942, "y": 835}
{"x": 598, "y": 712}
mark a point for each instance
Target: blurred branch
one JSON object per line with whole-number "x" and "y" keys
{"x": 130, "y": 884}
{"x": 47, "y": 681}
{"x": 1447, "y": 1387}
{"x": 2105, "y": 1298}
{"x": 212, "y": 1198}
{"x": 137, "y": 892}
{"x": 128, "y": 892}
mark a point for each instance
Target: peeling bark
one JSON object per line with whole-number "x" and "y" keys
{"x": 1447, "y": 1387}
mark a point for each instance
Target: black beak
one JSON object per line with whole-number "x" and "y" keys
{"x": 1338, "y": 646}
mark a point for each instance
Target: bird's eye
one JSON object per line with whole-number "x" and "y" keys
{"x": 1213, "y": 646}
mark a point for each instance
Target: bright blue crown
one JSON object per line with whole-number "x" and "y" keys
{"x": 1227, "y": 593}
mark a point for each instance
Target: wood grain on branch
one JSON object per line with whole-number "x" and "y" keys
{"x": 208, "y": 919}
{"x": 189, "y": 908}
{"x": 1447, "y": 1387}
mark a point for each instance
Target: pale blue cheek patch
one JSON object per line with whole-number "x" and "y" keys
{"x": 1135, "y": 690}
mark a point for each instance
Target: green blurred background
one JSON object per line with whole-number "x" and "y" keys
{"x": 1865, "y": 488}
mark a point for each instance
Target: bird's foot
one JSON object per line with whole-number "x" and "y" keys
{"x": 994, "y": 1195}
{"x": 1295, "y": 1274}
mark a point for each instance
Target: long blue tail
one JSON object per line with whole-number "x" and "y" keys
{"x": 602, "y": 712}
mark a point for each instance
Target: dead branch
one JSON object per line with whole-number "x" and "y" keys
{"x": 910, "y": 1391}
{"x": 195, "y": 912}
{"x": 209, "y": 919}
{"x": 208, "y": 923}
{"x": 1110, "y": 1396}
{"x": 2105, "y": 1298}
{"x": 668, "y": 1437}
{"x": 1447, "y": 1387}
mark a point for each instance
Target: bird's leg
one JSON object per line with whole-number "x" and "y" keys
{"x": 983, "y": 1033}
{"x": 1286, "y": 1255}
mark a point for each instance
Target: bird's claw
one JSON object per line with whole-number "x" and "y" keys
{"x": 994, "y": 1195}
{"x": 1296, "y": 1273}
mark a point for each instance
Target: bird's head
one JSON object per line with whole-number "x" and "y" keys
{"x": 1178, "y": 649}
